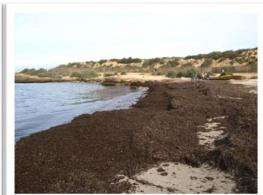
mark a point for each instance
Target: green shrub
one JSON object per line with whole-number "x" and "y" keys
{"x": 41, "y": 72}
{"x": 65, "y": 74}
{"x": 62, "y": 66}
{"x": 74, "y": 64}
{"x": 89, "y": 74}
{"x": 240, "y": 60}
{"x": 84, "y": 75}
{"x": 189, "y": 73}
{"x": 207, "y": 63}
{"x": 150, "y": 62}
{"x": 90, "y": 62}
{"x": 49, "y": 74}
{"x": 171, "y": 74}
{"x": 102, "y": 61}
{"x": 33, "y": 71}
{"x": 226, "y": 73}
{"x": 28, "y": 70}
{"x": 230, "y": 54}
{"x": 217, "y": 54}
{"x": 173, "y": 63}
{"x": 252, "y": 61}
{"x": 187, "y": 65}
{"x": 76, "y": 74}
{"x": 108, "y": 74}
{"x": 123, "y": 73}
{"x": 128, "y": 60}
{"x": 44, "y": 75}
{"x": 214, "y": 55}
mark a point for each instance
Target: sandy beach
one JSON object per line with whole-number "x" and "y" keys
{"x": 202, "y": 133}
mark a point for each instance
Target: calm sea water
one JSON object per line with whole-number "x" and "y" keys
{"x": 39, "y": 106}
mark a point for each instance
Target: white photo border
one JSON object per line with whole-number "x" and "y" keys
{"x": 9, "y": 70}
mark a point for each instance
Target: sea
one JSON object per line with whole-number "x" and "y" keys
{"x": 39, "y": 106}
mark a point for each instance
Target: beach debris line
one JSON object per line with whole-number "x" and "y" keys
{"x": 170, "y": 177}
{"x": 93, "y": 149}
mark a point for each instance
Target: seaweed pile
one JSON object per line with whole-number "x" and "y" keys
{"x": 85, "y": 155}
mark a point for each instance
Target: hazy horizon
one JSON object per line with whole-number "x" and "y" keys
{"x": 46, "y": 40}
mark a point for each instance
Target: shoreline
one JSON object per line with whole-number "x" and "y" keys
{"x": 68, "y": 102}
{"x": 125, "y": 79}
{"x": 150, "y": 132}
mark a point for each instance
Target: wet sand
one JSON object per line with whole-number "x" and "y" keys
{"x": 186, "y": 124}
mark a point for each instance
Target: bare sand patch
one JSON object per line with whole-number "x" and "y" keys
{"x": 210, "y": 126}
{"x": 247, "y": 82}
{"x": 253, "y": 91}
{"x": 228, "y": 97}
{"x": 210, "y": 131}
{"x": 169, "y": 177}
{"x": 208, "y": 138}
{"x": 181, "y": 178}
{"x": 216, "y": 118}
{"x": 251, "y": 84}
{"x": 251, "y": 75}
{"x": 143, "y": 77}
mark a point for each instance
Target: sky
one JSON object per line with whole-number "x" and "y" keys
{"x": 46, "y": 39}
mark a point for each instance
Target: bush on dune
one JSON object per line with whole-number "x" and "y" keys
{"x": 171, "y": 74}
{"x": 102, "y": 61}
{"x": 129, "y": 60}
{"x": 230, "y": 54}
{"x": 207, "y": 63}
{"x": 151, "y": 62}
{"x": 33, "y": 71}
{"x": 76, "y": 74}
{"x": 84, "y": 75}
{"x": 173, "y": 63}
{"x": 189, "y": 73}
{"x": 252, "y": 62}
{"x": 109, "y": 74}
{"x": 226, "y": 73}
{"x": 123, "y": 73}
{"x": 89, "y": 74}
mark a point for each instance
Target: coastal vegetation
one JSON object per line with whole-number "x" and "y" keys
{"x": 109, "y": 74}
{"x": 123, "y": 73}
{"x": 188, "y": 73}
{"x": 173, "y": 63}
{"x": 127, "y": 60}
{"x": 207, "y": 63}
{"x": 41, "y": 72}
{"x": 226, "y": 73}
{"x": 171, "y": 74}
{"x": 239, "y": 61}
{"x": 85, "y": 75}
{"x": 230, "y": 54}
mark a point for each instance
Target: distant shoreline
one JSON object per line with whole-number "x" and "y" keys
{"x": 127, "y": 79}
{"x": 239, "y": 64}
